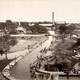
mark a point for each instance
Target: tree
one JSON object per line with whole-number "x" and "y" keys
{"x": 11, "y": 27}
{"x": 38, "y": 28}
{"x": 66, "y": 29}
{"x": 5, "y": 42}
{"x": 26, "y": 26}
{"x": 70, "y": 29}
{"x": 62, "y": 31}
{"x": 2, "y": 26}
{"x": 63, "y": 55}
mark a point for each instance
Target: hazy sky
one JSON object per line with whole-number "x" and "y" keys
{"x": 40, "y": 10}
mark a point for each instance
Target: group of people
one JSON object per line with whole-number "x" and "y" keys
{"x": 35, "y": 75}
{"x": 36, "y": 66}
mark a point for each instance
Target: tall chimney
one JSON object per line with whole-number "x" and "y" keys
{"x": 53, "y": 24}
{"x": 52, "y": 18}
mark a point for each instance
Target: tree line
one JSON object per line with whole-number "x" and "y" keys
{"x": 11, "y": 27}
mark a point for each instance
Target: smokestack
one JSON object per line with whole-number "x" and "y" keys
{"x": 52, "y": 18}
{"x": 53, "y": 24}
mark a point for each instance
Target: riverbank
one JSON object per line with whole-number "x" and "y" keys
{"x": 24, "y": 52}
{"x": 21, "y": 70}
{"x": 3, "y": 63}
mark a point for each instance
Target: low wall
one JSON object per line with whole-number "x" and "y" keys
{"x": 6, "y": 70}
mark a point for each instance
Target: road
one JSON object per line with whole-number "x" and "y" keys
{"x": 21, "y": 69}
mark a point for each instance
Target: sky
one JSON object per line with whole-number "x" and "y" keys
{"x": 40, "y": 10}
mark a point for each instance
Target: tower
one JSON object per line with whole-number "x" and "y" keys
{"x": 52, "y": 18}
{"x": 20, "y": 29}
{"x": 53, "y": 27}
{"x": 53, "y": 22}
{"x": 19, "y": 23}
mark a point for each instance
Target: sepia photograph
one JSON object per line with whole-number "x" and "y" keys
{"x": 39, "y": 39}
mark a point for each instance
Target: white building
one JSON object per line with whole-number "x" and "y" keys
{"x": 20, "y": 29}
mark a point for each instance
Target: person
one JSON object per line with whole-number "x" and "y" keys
{"x": 32, "y": 71}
